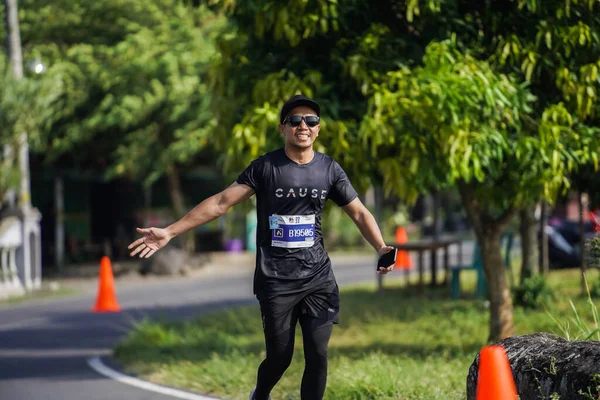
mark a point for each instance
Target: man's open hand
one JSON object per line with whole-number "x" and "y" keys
{"x": 154, "y": 239}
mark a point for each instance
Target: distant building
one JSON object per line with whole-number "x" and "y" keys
{"x": 85, "y": 216}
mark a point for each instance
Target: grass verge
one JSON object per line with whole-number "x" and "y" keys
{"x": 46, "y": 292}
{"x": 398, "y": 344}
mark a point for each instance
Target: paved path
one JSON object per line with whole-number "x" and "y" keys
{"x": 45, "y": 345}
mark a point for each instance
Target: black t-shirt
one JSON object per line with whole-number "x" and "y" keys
{"x": 290, "y": 256}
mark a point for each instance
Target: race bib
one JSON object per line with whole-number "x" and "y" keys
{"x": 292, "y": 231}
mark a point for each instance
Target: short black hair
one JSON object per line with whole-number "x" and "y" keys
{"x": 297, "y": 101}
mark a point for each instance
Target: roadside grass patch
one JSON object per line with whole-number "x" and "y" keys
{"x": 401, "y": 343}
{"x": 45, "y": 293}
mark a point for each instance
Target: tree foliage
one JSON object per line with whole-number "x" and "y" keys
{"x": 451, "y": 120}
{"x": 330, "y": 50}
{"x": 135, "y": 87}
{"x": 554, "y": 46}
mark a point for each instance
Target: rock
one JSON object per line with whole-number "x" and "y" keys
{"x": 168, "y": 261}
{"x": 546, "y": 365}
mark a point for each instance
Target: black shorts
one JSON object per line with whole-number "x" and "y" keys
{"x": 281, "y": 312}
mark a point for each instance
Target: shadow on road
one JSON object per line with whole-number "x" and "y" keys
{"x": 58, "y": 348}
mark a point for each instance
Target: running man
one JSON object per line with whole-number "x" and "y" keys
{"x": 293, "y": 279}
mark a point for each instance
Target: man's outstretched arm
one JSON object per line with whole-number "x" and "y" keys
{"x": 368, "y": 227}
{"x": 213, "y": 207}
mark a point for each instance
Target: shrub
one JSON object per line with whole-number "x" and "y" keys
{"x": 595, "y": 289}
{"x": 533, "y": 293}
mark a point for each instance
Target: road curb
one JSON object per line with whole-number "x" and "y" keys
{"x": 100, "y": 367}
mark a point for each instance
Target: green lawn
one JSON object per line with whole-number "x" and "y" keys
{"x": 399, "y": 344}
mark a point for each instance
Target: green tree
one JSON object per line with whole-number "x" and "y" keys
{"x": 454, "y": 121}
{"x": 135, "y": 87}
{"x": 330, "y": 51}
{"x": 557, "y": 43}
{"x": 553, "y": 45}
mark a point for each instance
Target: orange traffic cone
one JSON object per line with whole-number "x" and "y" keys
{"x": 106, "y": 301}
{"x": 403, "y": 259}
{"x": 495, "y": 380}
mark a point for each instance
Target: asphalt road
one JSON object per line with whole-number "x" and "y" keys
{"x": 44, "y": 346}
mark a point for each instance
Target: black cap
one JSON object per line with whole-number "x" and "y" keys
{"x": 297, "y": 101}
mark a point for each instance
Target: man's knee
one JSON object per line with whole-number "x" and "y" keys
{"x": 316, "y": 345}
{"x": 280, "y": 359}
{"x": 280, "y": 350}
{"x": 316, "y": 355}
{"x": 316, "y": 361}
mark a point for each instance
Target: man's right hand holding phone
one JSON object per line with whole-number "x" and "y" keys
{"x": 387, "y": 259}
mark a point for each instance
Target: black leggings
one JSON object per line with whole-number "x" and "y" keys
{"x": 280, "y": 348}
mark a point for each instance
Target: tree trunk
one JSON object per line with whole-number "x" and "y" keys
{"x": 59, "y": 223}
{"x": 13, "y": 39}
{"x": 529, "y": 242}
{"x": 15, "y": 55}
{"x": 582, "y": 207}
{"x": 488, "y": 232}
{"x": 379, "y": 220}
{"x": 501, "y": 308}
{"x": 544, "y": 258}
{"x": 435, "y": 235}
{"x": 178, "y": 202}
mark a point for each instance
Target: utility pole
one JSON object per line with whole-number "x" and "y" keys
{"x": 13, "y": 38}
{"x": 29, "y": 258}
{"x": 15, "y": 55}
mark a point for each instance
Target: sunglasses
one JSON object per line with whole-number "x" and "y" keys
{"x": 296, "y": 120}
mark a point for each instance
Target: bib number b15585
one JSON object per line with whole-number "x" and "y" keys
{"x": 292, "y": 231}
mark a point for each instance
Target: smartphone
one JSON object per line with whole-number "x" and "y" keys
{"x": 387, "y": 259}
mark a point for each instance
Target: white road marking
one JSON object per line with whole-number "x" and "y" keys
{"x": 52, "y": 353}
{"x": 24, "y": 323}
{"x": 97, "y": 365}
